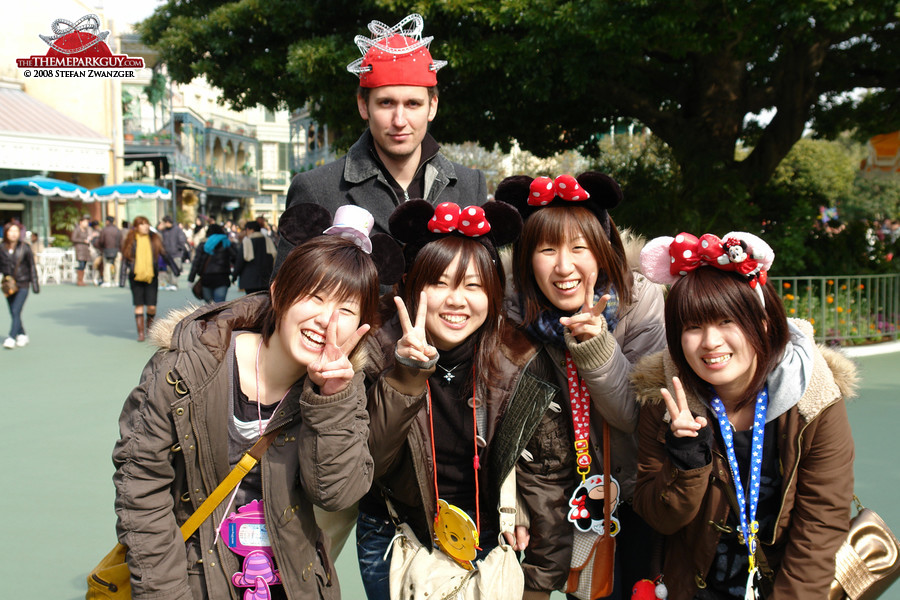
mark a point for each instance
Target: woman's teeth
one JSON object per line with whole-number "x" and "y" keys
{"x": 717, "y": 360}
{"x": 567, "y": 285}
{"x": 314, "y": 337}
{"x": 454, "y": 319}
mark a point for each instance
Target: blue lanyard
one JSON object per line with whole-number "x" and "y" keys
{"x": 748, "y": 523}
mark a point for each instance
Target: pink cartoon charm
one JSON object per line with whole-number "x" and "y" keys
{"x": 245, "y": 534}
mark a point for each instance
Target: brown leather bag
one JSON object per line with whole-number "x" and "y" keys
{"x": 594, "y": 556}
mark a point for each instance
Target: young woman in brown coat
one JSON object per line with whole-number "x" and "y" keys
{"x": 740, "y": 380}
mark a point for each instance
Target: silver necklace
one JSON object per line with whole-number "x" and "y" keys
{"x": 448, "y": 373}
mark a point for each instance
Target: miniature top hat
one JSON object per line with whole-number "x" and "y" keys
{"x": 397, "y": 55}
{"x": 354, "y": 223}
{"x": 304, "y": 221}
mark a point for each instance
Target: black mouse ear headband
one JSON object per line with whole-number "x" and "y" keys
{"x": 305, "y": 221}
{"x": 593, "y": 190}
{"x": 416, "y": 223}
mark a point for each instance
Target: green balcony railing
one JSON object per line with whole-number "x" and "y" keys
{"x": 846, "y": 309}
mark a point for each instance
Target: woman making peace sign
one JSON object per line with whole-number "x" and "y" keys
{"x": 477, "y": 370}
{"x": 746, "y": 456}
{"x": 595, "y": 316}
{"x": 227, "y": 375}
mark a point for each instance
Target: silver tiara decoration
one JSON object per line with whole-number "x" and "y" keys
{"x": 88, "y": 23}
{"x": 382, "y": 33}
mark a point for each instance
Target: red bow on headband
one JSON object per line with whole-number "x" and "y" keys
{"x": 448, "y": 217}
{"x": 688, "y": 253}
{"x": 543, "y": 190}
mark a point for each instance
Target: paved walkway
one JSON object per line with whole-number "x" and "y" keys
{"x": 62, "y": 395}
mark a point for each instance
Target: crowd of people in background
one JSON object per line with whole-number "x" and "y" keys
{"x": 108, "y": 256}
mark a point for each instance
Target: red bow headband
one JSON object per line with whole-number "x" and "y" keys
{"x": 665, "y": 259}
{"x": 469, "y": 221}
{"x": 543, "y": 190}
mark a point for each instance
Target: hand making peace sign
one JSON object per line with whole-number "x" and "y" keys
{"x": 684, "y": 423}
{"x": 414, "y": 345}
{"x": 332, "y": 371}
{"x": 589, "y": 322}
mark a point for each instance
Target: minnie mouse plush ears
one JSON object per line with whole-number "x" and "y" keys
{"x": 593, "y": 190}
{"x": 666, "y": 259}
{"x": 416, "y": 223}
{"x": 305, "y": 221}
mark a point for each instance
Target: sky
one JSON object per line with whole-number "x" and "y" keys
{"x": 127, "y": 11}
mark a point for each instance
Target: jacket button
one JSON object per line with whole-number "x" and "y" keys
{"x": 307, "y": 572}
{"x": 179, "y": 411}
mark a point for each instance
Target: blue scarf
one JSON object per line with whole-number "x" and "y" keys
{"x": 210, "y": 245}
{"x": 549, "y": 330}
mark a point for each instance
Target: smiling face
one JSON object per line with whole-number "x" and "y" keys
{"x": 301, "y": 332}
{"x": 562, "y": 271}
{"x": 398, "y": 117}
{"x": 456, "y": 310}
{"x": 721, "y": 355}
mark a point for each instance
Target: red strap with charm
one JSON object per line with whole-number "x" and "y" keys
{"x": 580, "y": 401}
{"x": 581, "y": 515}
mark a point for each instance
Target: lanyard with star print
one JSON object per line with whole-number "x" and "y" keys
{"x": 747, "y": 507}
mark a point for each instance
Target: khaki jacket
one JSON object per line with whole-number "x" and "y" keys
{"x": 173, "y": 452}
{"x": 815, "y": 449}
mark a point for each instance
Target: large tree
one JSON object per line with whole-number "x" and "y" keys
{"x": 554, "y": 75}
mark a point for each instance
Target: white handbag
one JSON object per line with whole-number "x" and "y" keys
{"x": 423, "y": 573}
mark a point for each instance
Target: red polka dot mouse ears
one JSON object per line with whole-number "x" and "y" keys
{"x": 666, "y": 259}
{"x": 417, "y": 222}
{"x": 593, "y": 190}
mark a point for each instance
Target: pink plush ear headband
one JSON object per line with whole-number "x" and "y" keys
{"x": 665, "y": 259}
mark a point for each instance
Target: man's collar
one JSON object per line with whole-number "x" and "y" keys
{"x": 363, "y": 161}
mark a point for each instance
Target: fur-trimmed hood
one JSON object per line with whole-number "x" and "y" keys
{"x": 211, "y": 326}
{"x": 826, "y": 376}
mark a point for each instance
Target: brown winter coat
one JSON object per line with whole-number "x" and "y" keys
{"x": 815, "y": 449}
{"x": 173, "y": 452}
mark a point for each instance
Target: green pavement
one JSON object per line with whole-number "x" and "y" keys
{"x": 62, "y": 396}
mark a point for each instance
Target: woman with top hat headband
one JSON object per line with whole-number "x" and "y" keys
{"x": 745, "y": 454}
{"x": 456, "y": 388}
{"x": 595, "y": 316}
{"x": 227, "y": 374}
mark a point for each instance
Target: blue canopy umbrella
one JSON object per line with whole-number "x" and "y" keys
{"x": 38, "y": 187}
{"x": 130, "y": 191}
